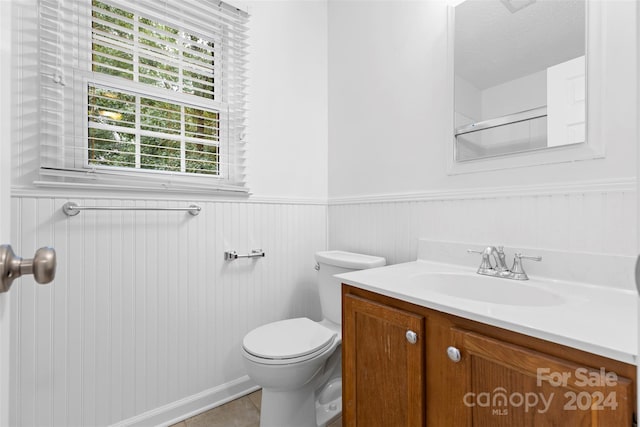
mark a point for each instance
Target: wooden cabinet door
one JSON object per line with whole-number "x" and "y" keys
{"x": 514, "y": 386}
{"x": 383, "y": 372}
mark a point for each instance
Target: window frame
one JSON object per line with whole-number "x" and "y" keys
{"x": 76, "y": 167}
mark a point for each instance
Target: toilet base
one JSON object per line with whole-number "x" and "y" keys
{"x": 291, "y": 408}
{"x": 301, "y": 407}
{"x": 329, "y": 403}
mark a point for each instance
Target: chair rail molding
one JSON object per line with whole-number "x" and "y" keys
{"x": 621, "y": 185}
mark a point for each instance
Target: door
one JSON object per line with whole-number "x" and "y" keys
{"x": 566, "y": 101}
{"x": 5, "y": 200}
{"x": 509, "y": 385}
{"x": 383, "y": 365}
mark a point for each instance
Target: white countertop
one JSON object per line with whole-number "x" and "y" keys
{"x": 595, "y": 319}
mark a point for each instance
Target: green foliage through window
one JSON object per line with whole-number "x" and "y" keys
{"x": 131, "y": 130}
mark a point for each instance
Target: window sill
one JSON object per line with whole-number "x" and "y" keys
{"x": 64, "y": 180}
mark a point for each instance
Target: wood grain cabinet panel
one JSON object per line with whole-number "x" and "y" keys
{"x": 502, "y": 378}
{"x": 514, "y": 386}
{"x": 383, "y": 371}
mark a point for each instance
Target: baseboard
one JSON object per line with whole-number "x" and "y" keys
{"x": 182, "y": 409}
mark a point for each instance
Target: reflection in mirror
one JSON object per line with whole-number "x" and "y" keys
{"x": 519, "y": 76}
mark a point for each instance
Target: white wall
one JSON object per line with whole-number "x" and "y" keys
{"x": 510, "y": 97}
{"x": 388, "y": 102}
{"x": 145, "y": 319}
{"x": 288, "y": 109}
{"x": 287, "y": 99}
{"x": 524, "y": 93}
{"x": 580, "y": 219}
{"x": 468, "y": 103}
{"x": 380, "y": 67}
{"x": 521, "y": 94}
{"x": 387, "y": 67}
{"x": 388, "y": 130}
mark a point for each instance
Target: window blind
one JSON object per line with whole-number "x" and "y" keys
{"x": 143, "y": 93}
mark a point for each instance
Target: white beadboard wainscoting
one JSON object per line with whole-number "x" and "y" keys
{"x": 145, "y": 318}
{"x": 594, "y": 217}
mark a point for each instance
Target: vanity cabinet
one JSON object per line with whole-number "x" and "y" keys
{"x": 501, "y": 378}
{"x": 509, "y": 385}
{"x": 384, "y": 360}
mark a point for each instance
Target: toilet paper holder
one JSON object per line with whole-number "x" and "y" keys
{"x": 255, "y": 253}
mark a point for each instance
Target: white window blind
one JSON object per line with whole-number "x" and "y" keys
{"x": 143, "y": 93}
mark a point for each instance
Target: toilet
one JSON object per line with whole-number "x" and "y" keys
{"x": 297, "y": 362}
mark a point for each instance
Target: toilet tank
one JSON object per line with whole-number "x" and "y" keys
{"x": 329, "y": 288}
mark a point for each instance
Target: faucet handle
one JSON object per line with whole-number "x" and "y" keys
{"x": 517, "y": 272}
{"x": 532, "y": 258}
{"x": 485, "y": 265}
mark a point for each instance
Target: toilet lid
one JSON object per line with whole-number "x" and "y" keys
{"x": 288, "y": 339}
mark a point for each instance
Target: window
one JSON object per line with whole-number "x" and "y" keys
{"x": 132, "y": 131}
{"x": 143, "y": 94}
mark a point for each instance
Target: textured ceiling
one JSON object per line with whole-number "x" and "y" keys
{"x": 493, "y": 45}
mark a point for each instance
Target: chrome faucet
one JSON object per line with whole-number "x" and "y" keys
{"x": 517, "y": 272}
{"x": 501, "y": 269}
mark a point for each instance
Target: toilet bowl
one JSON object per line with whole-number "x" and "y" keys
{"x": 297, "y": 362}
{"x": 289, "y": 375}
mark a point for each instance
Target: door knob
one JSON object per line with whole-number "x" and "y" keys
{"x": 42, "y": 266}
{"x": 412, "y": 337}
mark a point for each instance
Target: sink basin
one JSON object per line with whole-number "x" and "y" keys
{"x": 487, "y": 289}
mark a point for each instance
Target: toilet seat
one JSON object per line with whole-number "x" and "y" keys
{"x": 288, "y": 341}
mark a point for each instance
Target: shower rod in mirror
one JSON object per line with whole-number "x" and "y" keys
{"x": 72, "y": 209}
{"x": 521, "y": 116}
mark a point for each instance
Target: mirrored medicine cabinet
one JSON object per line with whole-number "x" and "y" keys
{"x": 519, "y": 81}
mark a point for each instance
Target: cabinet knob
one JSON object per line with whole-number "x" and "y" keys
{"x": 454, "y": 354}
{"x": 412, "y": 337}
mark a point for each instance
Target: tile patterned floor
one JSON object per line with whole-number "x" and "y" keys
{"x": 242, "y": 412}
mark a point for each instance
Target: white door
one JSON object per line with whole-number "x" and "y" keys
{"x": 5, "y": 200}
{"x": 566, "y": 101}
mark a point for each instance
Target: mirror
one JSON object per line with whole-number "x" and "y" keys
{"x": 519, "y": 79}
